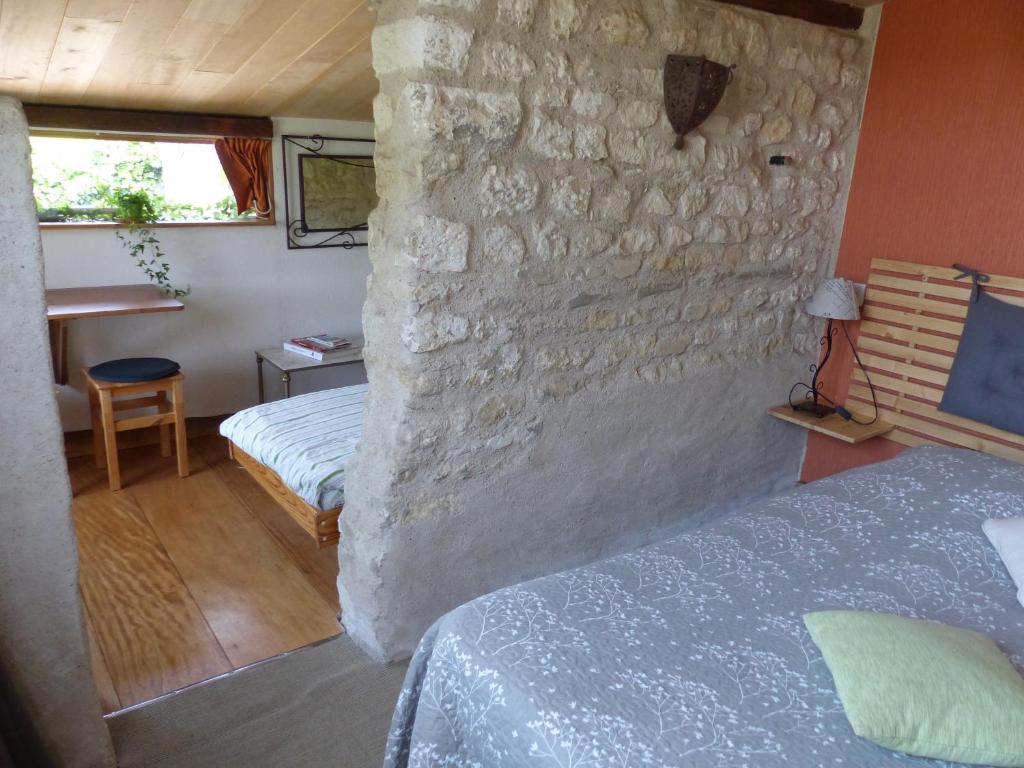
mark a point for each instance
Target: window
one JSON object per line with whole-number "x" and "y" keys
{"x": 96, "y": 180}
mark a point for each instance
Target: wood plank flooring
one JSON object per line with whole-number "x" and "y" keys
{"x": 186, "y": 579}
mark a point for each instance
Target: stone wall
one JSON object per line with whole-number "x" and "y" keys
{"x": 574, "y": 328}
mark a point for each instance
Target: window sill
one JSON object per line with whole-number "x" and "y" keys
{"x": 59, "y": 225}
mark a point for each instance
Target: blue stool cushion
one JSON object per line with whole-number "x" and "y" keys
{"x": 132, "y": 369}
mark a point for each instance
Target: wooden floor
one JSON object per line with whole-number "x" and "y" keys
{"x": 186, "y": 579}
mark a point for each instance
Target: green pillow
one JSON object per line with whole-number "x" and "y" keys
{"x": 924, "y": 688}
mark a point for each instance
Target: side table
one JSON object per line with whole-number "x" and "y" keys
{"x": 289, "y": 362}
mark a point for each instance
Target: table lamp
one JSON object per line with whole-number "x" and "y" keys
{"x": 834, "y": 300}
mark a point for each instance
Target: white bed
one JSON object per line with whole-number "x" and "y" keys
{"x": 305, "y": 442}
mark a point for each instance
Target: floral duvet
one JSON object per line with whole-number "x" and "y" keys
{"x": 692, "y": 652}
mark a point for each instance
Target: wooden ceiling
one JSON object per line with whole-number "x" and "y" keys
{"x": 305, "y": 58}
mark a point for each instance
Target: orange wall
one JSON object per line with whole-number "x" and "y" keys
{"x": 939, "y": 175}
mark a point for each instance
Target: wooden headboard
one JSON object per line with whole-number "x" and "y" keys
{"x": 913, "y": 316}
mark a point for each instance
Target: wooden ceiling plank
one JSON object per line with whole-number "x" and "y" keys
{"x": 203, "y": 25}
{"x": 28, "y": 31}
{"x": 345, "y": 36}
{"x": 81, "y": 45}
{"x": 187, "y": 43}
{"x": 247, "y": 35}
{"x": 361, "y": 114}
{"x": 338, "y": 44}
{"x": 143, "y": 32}
{"x": 352, "y": 81}
{"x": 198, "y": 88}
{"x": 302, "y": 32}
{"x": 332, "y": 86}
{"x": 219, "y": 11}
{"x": 359, "y": 104}
{"x": 99, "y": 10}
{"x": 245, "y": 57}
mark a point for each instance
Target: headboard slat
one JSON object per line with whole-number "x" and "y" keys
{"x": 943, "y": 435}
{"x": 903, "y": 351}
{"x": 887, "y": 400}
{"x": 907, "y": 388}
{"x": 942, "y": 273}
{"x": 913, "y": 317}
{"x": 903, "y": 369}
{"x": 907, "y": 336}
{"x": 961, "y": 292}
{"x": 887, "y": 315}
{"x": 946, "y": 309}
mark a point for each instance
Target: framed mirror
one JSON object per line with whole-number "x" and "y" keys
{"x": 330, "y": 190}
{"x": 336, "y": 192}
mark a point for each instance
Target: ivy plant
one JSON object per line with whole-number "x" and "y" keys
{"x": 135, "y": 209}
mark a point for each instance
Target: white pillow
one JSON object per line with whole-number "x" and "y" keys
{"x": 1007, "y": 536}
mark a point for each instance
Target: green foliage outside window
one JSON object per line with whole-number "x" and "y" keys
{"x": 93, "y": 181}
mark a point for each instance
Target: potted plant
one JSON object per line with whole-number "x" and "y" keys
{"x": 136, "y": 209}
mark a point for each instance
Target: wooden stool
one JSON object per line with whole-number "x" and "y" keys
{"x": 166, "y": 395}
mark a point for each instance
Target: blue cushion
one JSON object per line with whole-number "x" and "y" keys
{"x": 132, "y": 369}
{"x": 986, "y": 382}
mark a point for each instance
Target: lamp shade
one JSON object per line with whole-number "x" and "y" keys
{"x": 834, "y": 299}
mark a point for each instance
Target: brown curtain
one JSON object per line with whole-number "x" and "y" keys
{"x": 246, "y": 163}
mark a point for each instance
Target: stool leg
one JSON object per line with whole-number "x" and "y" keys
{"x": 165, "y": 429}
{"x": 110, "y": 439}
{"x": 98, "y": 449}
{"x": 180, "y": 441}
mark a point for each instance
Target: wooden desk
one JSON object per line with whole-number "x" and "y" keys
{"x": 65, "y": 304}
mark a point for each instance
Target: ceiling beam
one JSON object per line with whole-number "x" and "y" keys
{"x": 824, "y": 12}
{"x": 41, "y": 116}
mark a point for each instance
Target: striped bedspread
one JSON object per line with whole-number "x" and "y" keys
{"x": 307, "y": 440}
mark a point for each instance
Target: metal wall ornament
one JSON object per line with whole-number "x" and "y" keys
{"x": 295, "y": 150}
{"x": 693, "y": 87}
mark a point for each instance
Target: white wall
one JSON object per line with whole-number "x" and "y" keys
{"x": 248, "y": 291}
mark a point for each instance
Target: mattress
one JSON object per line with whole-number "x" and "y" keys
{"x": 307, "y": 440}
{"x": 692, "y": 652}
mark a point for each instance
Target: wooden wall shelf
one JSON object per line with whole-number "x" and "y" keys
{"x": 832, "y": 425}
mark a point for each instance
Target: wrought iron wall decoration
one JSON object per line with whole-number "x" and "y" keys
{"x": 329, "y": 190}
{"x": 693, "y": 87}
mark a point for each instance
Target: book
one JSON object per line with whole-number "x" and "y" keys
{"x": 308, "y": 345}
{"x": 315, "y": 354}
{"x": 324, "y": 342}
{"x": 327, "y": 340}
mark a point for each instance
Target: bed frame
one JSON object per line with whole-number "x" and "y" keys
{"x": 913, "y": 317}
{"x": 321, "y": 524}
